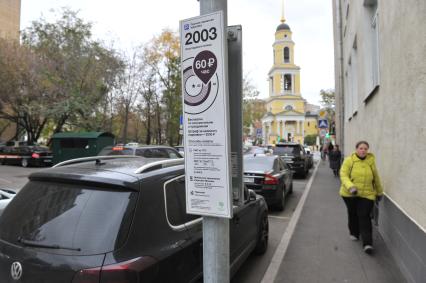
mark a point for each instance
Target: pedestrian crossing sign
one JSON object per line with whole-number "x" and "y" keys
{"x": 323, "y": 123}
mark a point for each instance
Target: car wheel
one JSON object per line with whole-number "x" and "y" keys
{"x": 290, "y": 190}
{"x": 263, "y": 235}
{"x": 2, "y": 162}
{"x": 303, "y": 174}
{"x": 24, "y": 162}
{"x": 281, "y": 201}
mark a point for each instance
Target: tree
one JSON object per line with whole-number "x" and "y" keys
{"x": 129, "y": 87}
{"x": 162, "y": 55}
{"x": 253, "y": 108}
{"x": 84, "y": 70}
{"x": 311, "y": 139}
{"x": 25, "y": 88}
{"x": 328, "y": 101}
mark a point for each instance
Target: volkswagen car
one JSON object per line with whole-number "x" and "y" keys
{"x": 115, "y": 219}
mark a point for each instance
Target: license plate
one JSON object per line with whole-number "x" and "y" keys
{"x": 47, "y": 160}
{"x": 248, "y": 180}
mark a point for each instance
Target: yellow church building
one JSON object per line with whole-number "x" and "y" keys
{"x": 287, "y": 117}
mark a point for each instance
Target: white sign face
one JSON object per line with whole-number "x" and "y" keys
{"x": 205, "y": 107}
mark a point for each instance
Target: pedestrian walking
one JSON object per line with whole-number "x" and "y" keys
{"x": 360, "y": 188}
{"x": 335, "y": 156}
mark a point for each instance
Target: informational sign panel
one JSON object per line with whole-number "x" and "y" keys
{"x": 205, "y": 107}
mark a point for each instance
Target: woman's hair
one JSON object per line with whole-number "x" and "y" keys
{"x": 362, "y": 142}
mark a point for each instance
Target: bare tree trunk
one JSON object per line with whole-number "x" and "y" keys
{"x": 126, "y": 123}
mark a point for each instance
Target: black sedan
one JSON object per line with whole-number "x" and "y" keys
{"x": 26, "y": 155}
{"x": 270, "y": 177}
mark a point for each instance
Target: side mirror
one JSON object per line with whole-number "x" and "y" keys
{"x": 252, "y": 195}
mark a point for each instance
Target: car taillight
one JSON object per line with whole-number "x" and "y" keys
{"x": 270, "y": 180}
{"x": 35, "y": 155}
{"x": 130, "y": 271}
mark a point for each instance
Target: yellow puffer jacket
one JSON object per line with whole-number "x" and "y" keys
{"x": 361, "y": 174}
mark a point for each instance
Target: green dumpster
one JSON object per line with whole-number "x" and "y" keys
{"x": 70, "y": 145}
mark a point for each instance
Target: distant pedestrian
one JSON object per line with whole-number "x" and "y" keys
{"x": 361, "y": 187}
{"x": 335, "y": 157}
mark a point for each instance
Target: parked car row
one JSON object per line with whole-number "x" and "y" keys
{"x": 117, "y": 219}
{"x": 31, "y": 155}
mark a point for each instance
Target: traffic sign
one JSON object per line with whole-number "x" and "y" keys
{"x": 205, "y": 105}
{"x": 323, "y": 124}
{"x": 259, "y": 132}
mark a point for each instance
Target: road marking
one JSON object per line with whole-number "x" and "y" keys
{"x": 6, "y": 181}
{"x": 274, "y": 266}
{"x": 279, "y": 217}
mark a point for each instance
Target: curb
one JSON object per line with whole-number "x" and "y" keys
{"x": 274, "y": 266}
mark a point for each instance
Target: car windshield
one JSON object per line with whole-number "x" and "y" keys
{"x": 286, "y": 149}
{"x": 258, "y": 163}
{"x": 116, "y": 150}
{"x": 88, "y": 219}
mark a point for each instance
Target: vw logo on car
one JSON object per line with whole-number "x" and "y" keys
{"x": 16, "y": 270}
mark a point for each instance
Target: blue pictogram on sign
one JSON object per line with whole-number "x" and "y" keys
{"x": 322, "y": 124}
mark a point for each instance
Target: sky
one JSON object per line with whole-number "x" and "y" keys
{"x": 129, "y": 23}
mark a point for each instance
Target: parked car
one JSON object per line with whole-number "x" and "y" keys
{"x": 26, "y": 155}
{"x": 256, "y": 150}
{"x": 180, "y": 149}
{"x": 115, "y": 219}
{"x": 295, "y": 156}
{"x": 149, "y": 151}
{"x": 310, "y": 157}
{"x": 6, "y": 195}
{"x": 270, "y": 177}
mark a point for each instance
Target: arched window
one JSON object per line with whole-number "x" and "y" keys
{"x": 286, "y": 55}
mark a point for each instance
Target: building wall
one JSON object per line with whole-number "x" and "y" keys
{"x": 390, "y": 116}
{"x": 10, "y": 12}
{"x": 311, "y": 127}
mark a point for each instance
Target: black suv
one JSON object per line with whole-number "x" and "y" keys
{"x": 295, "y": 156}
{"x": 115, "y": 219}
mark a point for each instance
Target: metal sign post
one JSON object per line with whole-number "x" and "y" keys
{"x": 213, "y": 138}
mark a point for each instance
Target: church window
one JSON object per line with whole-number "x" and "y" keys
{"x": 286, "y": 55}
{"x": 288, "y": 108}
{"x": 287, "y": 82}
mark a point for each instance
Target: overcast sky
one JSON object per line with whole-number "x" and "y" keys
{"x": 132, "y": 22}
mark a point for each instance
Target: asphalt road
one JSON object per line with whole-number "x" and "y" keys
{"x": 15, "y": 177}
{"x": 254, "y": 268}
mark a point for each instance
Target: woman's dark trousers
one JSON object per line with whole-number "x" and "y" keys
{"x": 359, "y": 221}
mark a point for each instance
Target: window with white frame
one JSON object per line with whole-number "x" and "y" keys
{"x": 353, "y": 77}
{"x": 271, "y": 85}
{"x": 371, "y": 59}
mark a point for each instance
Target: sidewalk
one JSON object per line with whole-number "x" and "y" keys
{"x": 320, "y": 249}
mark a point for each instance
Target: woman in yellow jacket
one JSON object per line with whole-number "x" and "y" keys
{"x": 361, "y": 186}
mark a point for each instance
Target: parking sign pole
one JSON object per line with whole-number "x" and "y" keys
{"x": 216, "y": 267}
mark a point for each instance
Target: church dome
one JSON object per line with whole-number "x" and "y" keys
{"x": 283, "y": 26}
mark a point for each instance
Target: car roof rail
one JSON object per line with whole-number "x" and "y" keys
{"x": 90, "y": 158}
{"x": 159, "y": 164}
